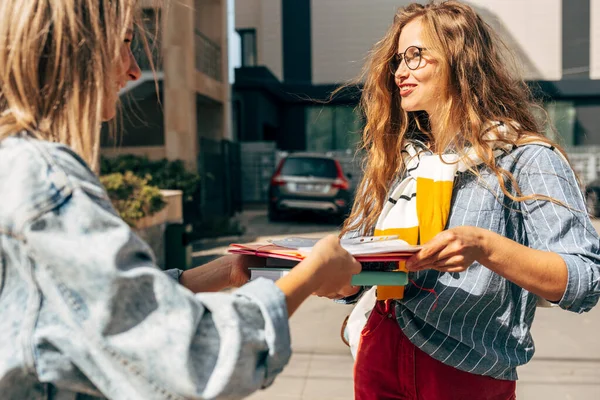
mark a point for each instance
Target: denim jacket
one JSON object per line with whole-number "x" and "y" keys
{"x": 85, "y": 311}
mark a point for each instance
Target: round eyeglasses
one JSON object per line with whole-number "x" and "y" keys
{"x": 411, "y": 56}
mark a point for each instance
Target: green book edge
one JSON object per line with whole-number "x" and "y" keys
{"x": 365, "y": 278}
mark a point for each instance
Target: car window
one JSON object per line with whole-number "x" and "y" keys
{"x": 317, "y": 167}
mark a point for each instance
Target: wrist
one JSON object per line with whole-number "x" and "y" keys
{"x": 484, "y": 240}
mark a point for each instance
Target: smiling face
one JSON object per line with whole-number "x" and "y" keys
{"x": 419, "y": 87}
{"x": 126, "y": 69}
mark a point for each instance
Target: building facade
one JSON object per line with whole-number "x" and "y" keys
{"x": 295, "y": 52}
{"x": 171, "y": 111}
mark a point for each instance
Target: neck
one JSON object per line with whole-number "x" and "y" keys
{"x": 435, "y": 130}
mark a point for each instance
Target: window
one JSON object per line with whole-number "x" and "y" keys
{"x": 248, "y": 40}
{"x": 310, "y": 166}
{"x": 332, "y": 127}
{"x": 561, "y": 114}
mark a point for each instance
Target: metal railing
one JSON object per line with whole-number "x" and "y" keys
{"x": 208, "y": 56}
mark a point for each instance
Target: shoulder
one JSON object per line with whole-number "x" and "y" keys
{"x": 536, "y": 157}
{"x": 37, "y": 176}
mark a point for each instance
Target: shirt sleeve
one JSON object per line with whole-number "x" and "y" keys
{"x": 565, "y": 229}
{"x": 139, "y": 334}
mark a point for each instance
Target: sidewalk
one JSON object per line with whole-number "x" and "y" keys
{"x": 566, "y": 365}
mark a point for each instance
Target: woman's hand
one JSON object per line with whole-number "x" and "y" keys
{"x": 453, "y": 250}
{"x": 239, "y": 272}
{"x": 225, "y": 272}
{"x": 326, "y": 270}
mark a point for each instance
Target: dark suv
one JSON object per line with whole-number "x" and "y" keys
{"x": 309, "y": 182}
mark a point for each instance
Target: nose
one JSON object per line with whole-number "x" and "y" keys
{"x": 134, "y": 72}
{"x": 402, "y": 71}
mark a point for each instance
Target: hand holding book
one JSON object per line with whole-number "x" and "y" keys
{"x": 378, "y": 255}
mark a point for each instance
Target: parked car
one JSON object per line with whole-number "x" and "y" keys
{"x": 309, "y": 182}
{"x": 592, "y": 198}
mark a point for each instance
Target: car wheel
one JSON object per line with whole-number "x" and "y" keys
{"x": 591, "y": 200}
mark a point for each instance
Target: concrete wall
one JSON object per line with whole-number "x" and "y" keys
{"x": 265, "y": 17}
{"x": 595, "y": 39}
{"x": 207, "y": 18}
{"x": 344, "y": 31}
{"x": 179, "y": 91}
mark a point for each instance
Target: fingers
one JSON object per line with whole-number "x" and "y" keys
{"x": 429, "y": 253}
{"x": 344, "y": 292}
{"x": 332, "y": 296}
{"x": 455, "y": 263}
{"x": 349, "y": 291}
{"x": 356, "y": 267}
{"x": 247, "y": 261}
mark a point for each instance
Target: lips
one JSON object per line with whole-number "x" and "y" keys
{"x": 406, "y": 89}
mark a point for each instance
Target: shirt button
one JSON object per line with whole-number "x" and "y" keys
{"x": 389, "y": 315}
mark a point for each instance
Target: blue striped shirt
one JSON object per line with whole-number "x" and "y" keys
{"x": 482, "y": 321}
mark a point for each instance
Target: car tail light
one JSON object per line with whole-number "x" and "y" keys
{"x": 340, "y": 182}
{"x": 277, "y": 179}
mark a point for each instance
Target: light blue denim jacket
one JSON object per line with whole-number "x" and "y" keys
{"x": 85, "y": 311}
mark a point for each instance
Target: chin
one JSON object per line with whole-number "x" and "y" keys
{"x": 410, "y": 108}
{"x": 107, "y": 115}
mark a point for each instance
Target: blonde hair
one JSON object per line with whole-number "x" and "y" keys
{"x": 477, "y": 92}
{"x": 57, "y": 58}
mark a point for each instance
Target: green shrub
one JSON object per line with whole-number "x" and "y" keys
{"x": 163, "y": 173}
{"x": 172, "y": 175}
{"x": 132, "y": 196}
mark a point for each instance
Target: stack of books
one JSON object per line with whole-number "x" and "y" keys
{"x": 379, "y": 256}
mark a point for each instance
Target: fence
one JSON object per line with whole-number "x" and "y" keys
{"x": 586, "y": 162}
{"x": 220, "y": 171}
{"x": 258, "y": 160}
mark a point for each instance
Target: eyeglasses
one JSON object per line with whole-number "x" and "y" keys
{"x": 411, "y": 56}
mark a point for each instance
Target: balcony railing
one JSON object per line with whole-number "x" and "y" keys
{"x": 208, "y": 56}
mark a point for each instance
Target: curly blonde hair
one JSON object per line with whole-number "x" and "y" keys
{"x": 480, "y": 88}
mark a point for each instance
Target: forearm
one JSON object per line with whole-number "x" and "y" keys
{"x": 211, "y": 277}
{"x": 297, "y": 285}
{"x": 540, "y": 272}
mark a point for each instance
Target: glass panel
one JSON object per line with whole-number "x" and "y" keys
{"x": 319, "y": 128}
{"x": 562, "y": 115}
{"x": 248, "y": 39}
{"x": 332, "y": 128}
{"x": 348, "y": 127}
{"x": 309, "y": 166}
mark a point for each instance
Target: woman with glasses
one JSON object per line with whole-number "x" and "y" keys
{"x": 458, "y": 164}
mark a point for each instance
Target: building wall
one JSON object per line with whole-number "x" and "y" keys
{"x": 208, "y": 19}
{"x": 265, "y": 17}
{"x": 595, "y": 39}
{"x": 343, "y": 32}
{"x": 271, "y": 36}
{"x": 556, "y": 44}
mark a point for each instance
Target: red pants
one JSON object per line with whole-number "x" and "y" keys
{"x": 388, "y": 367}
